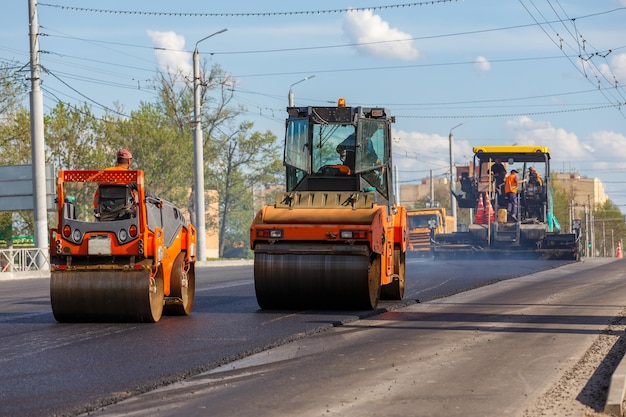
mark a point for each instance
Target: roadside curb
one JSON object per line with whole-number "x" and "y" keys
{"x": 225, "y": 262}
{"x": 617, "y": 391}
{"x": 7, "y": 276}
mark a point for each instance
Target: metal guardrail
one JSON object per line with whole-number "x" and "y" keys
{"x": 23, "y": 260}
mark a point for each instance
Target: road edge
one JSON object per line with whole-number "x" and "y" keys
{"x": 617, "y": 391}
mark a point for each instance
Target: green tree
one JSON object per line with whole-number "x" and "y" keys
{"x": 160, "y": 134}
{"x": 15, "y": 138}
{"x": 6, "y": 230}
{"x": 562, "y": 198}
{"x": 14, "y": 118}
{"x": 12, "y": 89}
{"x": 160, "y": 148}
{"x": 74, "y": 138}
{"x": 242, "y": 159}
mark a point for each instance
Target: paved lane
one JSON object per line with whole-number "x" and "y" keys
{"x": 518, "y": 347}
{"x": 67, "y": 369}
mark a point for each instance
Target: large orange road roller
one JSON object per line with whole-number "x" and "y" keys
{"x": 118, "y": 254}
{"x": 335, "y": 238}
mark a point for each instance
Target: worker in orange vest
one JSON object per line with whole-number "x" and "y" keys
{"x": 510, "y": 188}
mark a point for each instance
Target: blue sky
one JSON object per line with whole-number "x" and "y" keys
{"x": 545, "y": 72}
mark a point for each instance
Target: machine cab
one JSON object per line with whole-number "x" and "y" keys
{"x": 338, "y": 149}
{"x": 533, "y": 166}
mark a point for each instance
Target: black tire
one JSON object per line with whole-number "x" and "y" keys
{"x": 395, "y": 290}
{"x": 183, "y": 287}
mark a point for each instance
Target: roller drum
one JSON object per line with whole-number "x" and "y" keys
{"x": 106, "y": 296}
{"x": 300, "y": 280}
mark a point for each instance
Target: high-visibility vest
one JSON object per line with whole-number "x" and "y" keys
{"x": 510, "y": 184}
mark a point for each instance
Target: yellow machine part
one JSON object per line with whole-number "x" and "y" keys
{"x": 107, "y": 295}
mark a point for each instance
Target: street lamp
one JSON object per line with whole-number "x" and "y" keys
{"x": 452, "y": 198}
{"x": 199, "y": 156}
{"x": 290, "y": 97}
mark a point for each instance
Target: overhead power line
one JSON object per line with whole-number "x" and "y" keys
{"x": 83, "y": 95}
{"x": 574, "y": 40}
{"x": 247, "y": 14}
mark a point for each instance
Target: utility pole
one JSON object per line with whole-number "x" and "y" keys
{"x": 38, "y": 156}
{"x": 199, "y": 156}
{"x": 612, "y": 242}
{"x": 587, "y": 242}
{"x": 603, "y": 240}
{"x": 452, "y": 177}
{"x": 592, "y": 227}
{"x": 432, "y": 188}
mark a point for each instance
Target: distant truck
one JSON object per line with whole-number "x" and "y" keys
{"x": 423, "y": 222}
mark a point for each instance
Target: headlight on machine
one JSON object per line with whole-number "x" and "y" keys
{"x": 123, "y": 235}
{"x": 76, "y": 235}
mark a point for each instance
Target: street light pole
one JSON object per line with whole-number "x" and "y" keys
{"x": 199, "y": 156}
{"x": 37, "y": 137}
{"x": 452, "y": 177}
{"x": 290, "y": 96}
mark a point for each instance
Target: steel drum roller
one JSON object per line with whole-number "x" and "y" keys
{"x": 112, "y": 295}
{"x": 316, "y": 281}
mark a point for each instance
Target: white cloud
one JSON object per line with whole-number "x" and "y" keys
{"x": 171, "y": 58}
{"x": 417, "y": 153}
{"x": 617, "y": 68}
{"x": 611, "y": 145}
{"x": 364, "y": 27}
{"x": 563, "y": 145}
{"x": 599, "y": 151}
{"x": 483, "y": 64}
{"x": 600, "y": 155}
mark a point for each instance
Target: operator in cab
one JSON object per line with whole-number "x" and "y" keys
{"x": 533, "y": 177}
{"x": 347, "y": 148}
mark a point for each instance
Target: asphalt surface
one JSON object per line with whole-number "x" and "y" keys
{"x": 525, "y": 347}
{"x": 69, "y": 369}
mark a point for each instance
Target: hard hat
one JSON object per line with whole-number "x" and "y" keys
{"x": 124, "y": 153}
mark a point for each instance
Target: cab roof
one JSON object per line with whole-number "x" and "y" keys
{"x": 518, "y": 153}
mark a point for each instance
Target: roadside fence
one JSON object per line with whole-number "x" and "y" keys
{"x": 24, "y": 260}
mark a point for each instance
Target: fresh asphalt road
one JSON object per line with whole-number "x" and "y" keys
{"x": 69, "y": 369}
{"x": 523, "y": 347}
